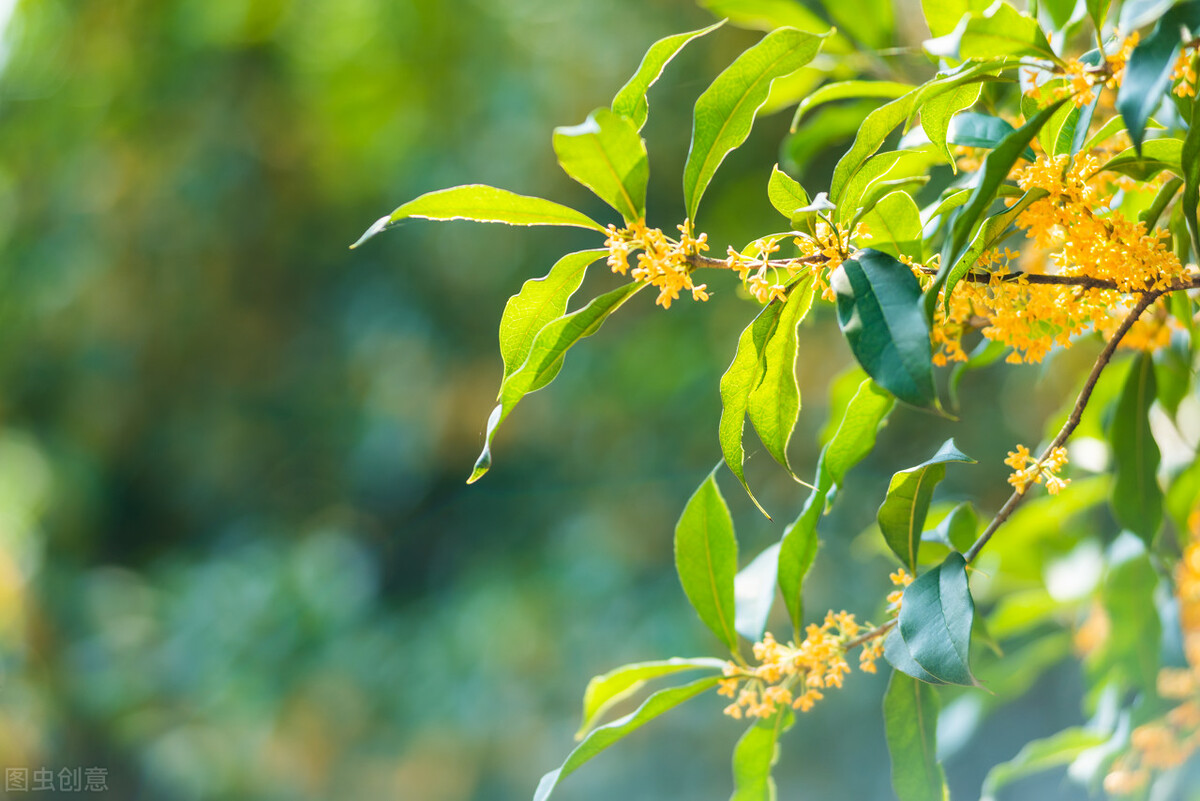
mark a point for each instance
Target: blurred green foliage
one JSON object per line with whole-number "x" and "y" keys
{"x": 237, "y": 558}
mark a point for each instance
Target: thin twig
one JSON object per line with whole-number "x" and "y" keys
{"x": 1072, "y": 423}
{"x": 861, "y": 639}
{"x": 699, "y": 261}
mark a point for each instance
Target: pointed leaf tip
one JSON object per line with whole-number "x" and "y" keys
{"x": 375, "y": 228}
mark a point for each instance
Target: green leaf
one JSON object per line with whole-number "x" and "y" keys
{"x": 890, "y": 166}
{"x": 935, "y": 621}
{"x": 608, "y": 689}
{"x": 1189, "y": 158}
{"x": 871, "y": 22}
{"x": 767, "y": 15}
{"x": 1155, "y": 156}
{"x": 774, "y": 403}
{"x": 957, "y": 529}
{"x": 736, "y": 384}
{"x": 1166, "y": 193}
{"x": 1098, "y": 11}
{"x": 1148, "y": 73}
{"x": 853, "y": 440}
{"x": 482, "y": 204}
{"x": 545, "y": 359}
{"x": 755, "y": 754}
{"x": 898, "y": 655}
{"x": 942, "y": 16}
{"x": 879, "y": 311}
{"x": 973, "y": 129}
{"x": 706, "y": 559}
{"x": 1130, "y": 654}
{"x": 1040, "y": 755}
{"x": 606, "y": 155}
{"x": 845, "y": 90}
{"x": 1057, "y": 13}
{"x": 1137, "y": 500}
{"x": 902, "y": 514}
{"x": 1058, "y": 134}
{"x": 1181, "y": 497}
{"x": 785, "y": 193}
{"x": 797, "y": 550}
{"x": 662, "y": 701}
{"x": 910, "y": 713}
{"x": 828, "y": 126}
{"x": 994, "y": 171}
{"x": 855, "y": 437}
{"x": 991, "y": 233}
{"x": 999, "y": 31}
{"x": 754, "y": 593}
{"x": 631, "y": 99}
{"x": 540, "y": 301}
{"x": 881, "y": 122}
{"x": 938, "y": 112}
{"x": 894, "y": 225}
{"x": 725, "y": 112}
{"x": 871, "y": 135}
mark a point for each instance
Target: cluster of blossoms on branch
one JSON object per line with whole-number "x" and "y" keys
{"x": 1072, "y": 233}
{"x": 662, "y": 262}
{"x": 794, "y": 675}
{"x": 1028, "y": 470}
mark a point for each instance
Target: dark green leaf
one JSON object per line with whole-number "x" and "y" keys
{"x": 545, "y": 359}
{"x": 606, "y": 155}
{"x": 482, "y": 204}
{"x": 902, "y": 514}
{"x": 910, "y": 713}
{"x": 616, "y": 685}
{"x": 754, "y": 593}
{"x": 897, "y": 654}
{"x": 540, "y": 302}
{"x": 1182, "y": 495}
{"x": 725, "y": 111}
{"x": 631, "y": 99}
{"x": 1137, "y": 501}
{"x": 879, "y": 311}
{"x": 606, "y": 735}
{"x": 973, "y": 129}
{"x": 754, "y": 756}
{"x": 774, "y": 403}
{"x": 797, "y": 550}
{"x": 935, "y": 621}
{"x": 706, "y": 559}
{"x": 1166, "y": 193}
{"x": 1148, "y": 72}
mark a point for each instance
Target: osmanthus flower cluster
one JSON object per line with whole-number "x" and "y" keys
{"x": 1029, "y": 183}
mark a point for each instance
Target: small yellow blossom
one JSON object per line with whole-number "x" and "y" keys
{"x": 1027, "y": 470}
{"x": 794, "y": 675}
{"x": 662, "y": 262}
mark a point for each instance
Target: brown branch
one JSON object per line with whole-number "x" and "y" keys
{"x": 699, "y": 261}
{"x": 1073, "y": 420}
{"x": 862, "y": 639}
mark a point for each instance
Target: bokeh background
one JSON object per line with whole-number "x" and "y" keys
{"x": 237, "y": 556}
